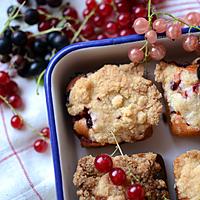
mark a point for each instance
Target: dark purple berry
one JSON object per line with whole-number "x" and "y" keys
{"x": 31, "y": 16}
{"x": 12, "y": 10}
{"x": 59, "y": 41}
{"x": 19, "y": 38}
{"x": 54, "y": 3}
{"x": 41, "y": 2}
{"x": 40, "y": 47}
{"x": 5, "y": 46}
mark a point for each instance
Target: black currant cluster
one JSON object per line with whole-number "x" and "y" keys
{"x": 29, "y": 54}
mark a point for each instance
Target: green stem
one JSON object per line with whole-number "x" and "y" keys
{"x": 45, "y": 32}
{"x": 149, "y": 12}
{"x": 82, "y": 25}
{"x": 39, "y": 80}
{"x": 9, "y": 105}
{"x": 116, "y": 149}
{"x": 177, "y": 19}
{"x": 120, "y": 150}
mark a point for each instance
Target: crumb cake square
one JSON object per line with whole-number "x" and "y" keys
{"x": 117, "y": 99}
{"x": 187, "y": 175}
{"x": 145, "y": 169}
{"x": 181, "y": 87}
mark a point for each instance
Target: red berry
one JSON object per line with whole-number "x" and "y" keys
{"x": 12, "y": 88}
{"x": 15, "y": 101}
{"x": 122, "y": 7}
{"x": 86, "y": 12}
{"x": 101, "y": 36}
{"x": 4, "y": 78}
{"x": 125, "y": 32}
{"x": 70, "y": 12}
{"x": 98, "y": 21}
{"x": 108, "y": 1}
{"x": 124, "y": 19}
{"x": 91, "y": 4}
{"x": 40, "y": 145}
{"x": 117, "y": 176}
{"x": 103, "y": 163}
{"x": 45, "y": 132}
{"x": 3, "y": 91}
{"x": 88, "y": 30}
{"x": 140, "y": 11}
{"x": 104, "y": 9}
{"x": 17, "y": 122}
{"x": 42, "y": 13}
{"x": 53, "y": 22}
{"x": 43, "y": 26}
{"x": 111, "y": 27}
{"x": 135, "y": 192}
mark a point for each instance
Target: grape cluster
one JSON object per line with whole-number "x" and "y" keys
{"x": 104, "y": 164}
{"x": 173, "y": 30}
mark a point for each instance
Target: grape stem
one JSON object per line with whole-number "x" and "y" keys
{"x": 18, "y": 114}
{"x": 13, "y": 16}
{"x": 82, "y": 25}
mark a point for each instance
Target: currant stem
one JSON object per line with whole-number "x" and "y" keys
{"x": 119, "y": 148}
{"x": 9, "y": 105}
{"x": 45, "y": 32}
{"x": 82, "y": 25}
{"x": 39, "y": 80}
{"x": 116, "y": 149}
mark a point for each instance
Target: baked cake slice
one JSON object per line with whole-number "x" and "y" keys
{"x": 187, "y": 175}
{"x": 113, "y": 99}
{"x": 144, "y": 170}
{"x": 182, "y": 93}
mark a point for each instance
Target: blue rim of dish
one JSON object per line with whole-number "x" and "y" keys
{"x": 49, "y": 100}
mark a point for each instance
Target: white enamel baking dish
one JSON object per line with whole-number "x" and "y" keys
{"x": 86, "y": 57}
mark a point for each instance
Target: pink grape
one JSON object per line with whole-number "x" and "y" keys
{"x": 157, "y": 51}
{"x": 174, "y": 31}
{"x": 160, "y": 25}
{"x": 141, "y": 25}
{"x": 136, "y": 55}
{"x": 151, "y": 36}
{"x": 193, "y": 18}
{"x": 190, "y": 43}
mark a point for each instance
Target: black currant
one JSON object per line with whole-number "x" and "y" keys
{"x": 12, "y": 10}
{"x": 41, "y": 2}
{"x": 33, "y": 68}
{"x": 51, "y": 36}
{"x": 7, "y": 33}
{"x": 22, "y": 1}
{"x": 19, "y": 38}
{"x": 5, "y": 46}
{"x": 59, "y": 41}
{"x": 40, "y": 47}
{"x": 18, "y": 62}
{"x": 31, "y": 16}
{"x": 54, "y": 3}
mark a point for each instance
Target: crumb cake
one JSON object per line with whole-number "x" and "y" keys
{"x": 113, "y": 99}
{"x": 146, "y": 169}
{"x": 187, "y": 173}
{"x": 181, "y": 87}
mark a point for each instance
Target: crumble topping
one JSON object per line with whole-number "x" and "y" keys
{"x": 187, "y": 173}
{"x": 143, "y": 167}
{"x": 118, "y": 99}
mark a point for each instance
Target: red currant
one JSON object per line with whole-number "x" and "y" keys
{"x": 101, "y": 36}
{"x": 15, "y": 101}
{"x": 135, "y": 192}
{"x": 3, "y": 91}
{"x": 40, "y": 145}
{"x": 53, "y": 22}
{"x": 125, "y": 32}
{"x": 98, "y": 21}
{"x": 86, "y": 12}
{"x": 88, "y": 30}
{"x": 117, "y": 176}
{"x": 111, "y": 27}
{"x": 43, "y": 26}
{"x": 124, "y": 19}
{"x": 12, "y": 88}
{"x": 108, "y": 1}
{"x": 91, "y": 4}
{"x": 4, "y": 78}
{"x": 45, "y": 132}
{"x": 70, "y": 12}
{"x": 103, "y": 163}
{"x": 17, "y": 122}
{"x": 104, "y": 9}
{"x": 42, "y": 13}
{"x": 122, "y": 7}
{"x": 140, "y": 11}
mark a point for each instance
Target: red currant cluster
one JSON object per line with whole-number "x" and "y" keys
{"x": 104, "y": 164}
{"x": 173, "y": 30}
{"x": 9, "y": 94}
